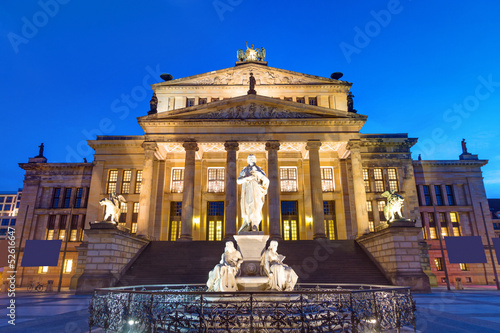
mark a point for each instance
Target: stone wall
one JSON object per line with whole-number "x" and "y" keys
{"x": 396, "y": 250}
{"x": 109, "y": 250}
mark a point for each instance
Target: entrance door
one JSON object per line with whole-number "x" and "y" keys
{"x": 289, "y": 220}
{"x": 175, "y": 220}
{"x": 330, "y": 221}
{"x": 215, "y": 221}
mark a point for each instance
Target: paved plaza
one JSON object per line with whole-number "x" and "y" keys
{"x": 472, "y": 310}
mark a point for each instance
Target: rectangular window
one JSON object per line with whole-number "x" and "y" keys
{"x": 5, "y": 222}
{"x": 175, "y": 219}
{"x": 327, "y": 179}
{"x": 55, "y": 198}
{"x": 9, "y": 199}
{"x": 455, "y": 223}
{"x": 290, "y": 99}
{"x": 68, "y": 266}
{"x": 215, "y": 221}
{"x": 138, "y": 181}
{"x": 439, "y": 263}
{"x": 330, "y": 219}
{"x": 43, "y": 269}
{"x": 78, "y": 197}
{"x": 424, "y": 232}
{"x": 443, "y": 224}
{"x": 135, "y": 211}
{"x": 50, "y": 227}
{"x": 1, "y": 207}
{"x": 123, "y": 212}
{"x": 202, "y": 101}
{"x": 134, "y": 228}
{"x": 2, "y": 199}
{"x": 12, "y": 222}
{"x": 215, "y": 180}
{"x": 112, "y": 179}
{"x": 7, "y": 207}
{"x": 439, "y": 196}
{"x": 177, "y": 180}
{"x": 67, "y": 197}
{"x": 381, "y": 205}
{"x": 369, "y": 209}
{"x": 214, "y": 99}
{"x": 289, "y": 220}
{"x": 313, "y": 101}
{"x": 3, "y": 231}
{"x": 288, "y": 179}
{"x": 127, "y": 177}
{"x": 393, "y": 179}
{"x": 189, "y": 102}
{"x": 74, "y": 229}
{"x": 301, "y": 100}
{"x": 464, "y": 267}
{"x": 427, "y": 195}
{"x": 449, "y": 194}
{"x": 62, "y": 227}
{"x": 366, "y": 179}
{"x": 379, "y": 179}
{"x": 432, "y": 226}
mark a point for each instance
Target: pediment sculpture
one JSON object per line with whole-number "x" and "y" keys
{"x": 253, "y": 111}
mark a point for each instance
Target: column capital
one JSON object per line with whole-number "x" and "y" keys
{"x": 190, "y": 145}
{"x": 149, "y": 145}
{"x": 354, "y": 144}
{"x": 313, "y": 144}
{"x": 231, "y": 145}
{"x": 272, "y": 145}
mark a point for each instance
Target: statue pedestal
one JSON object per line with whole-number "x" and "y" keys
{"x": 251, "y": 246}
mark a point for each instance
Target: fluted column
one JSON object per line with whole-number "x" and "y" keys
{"x": 188, "y": 193}
{"x": 359, "y": 188}
{"x": 146, "y": 189}
{"x": 316, "y": 189}
{"x": 273, "y": 193}
{"x": 230, "y": 206}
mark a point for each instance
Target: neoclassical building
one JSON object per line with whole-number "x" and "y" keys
{"x": 179, "y": 177}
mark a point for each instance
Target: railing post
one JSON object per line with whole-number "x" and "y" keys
{"x": 251, "y": 313}
{"x": 353, "y": 319}
{"x": 303, "y": 318}
{"x": 396, "y": 311}
{"x": 375, "y": 311}
{"x": 200, "y": 329}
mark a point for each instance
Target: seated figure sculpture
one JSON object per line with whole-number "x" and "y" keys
{"x": 223, "y": 276}
{"x": 281, "y": 276}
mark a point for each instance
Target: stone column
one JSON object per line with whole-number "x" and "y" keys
{"x": 273, "y": 193}
{"x": 144, "y": 217}
{"x": 96, "y": 190}
{"x": 316, "y": 189}
{"x": 231, "y": 203}
{"x": 359, "y": 188}
{"x": 191, "y": 148}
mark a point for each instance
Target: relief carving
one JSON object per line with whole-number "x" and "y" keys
{"x": 253, "y": 111}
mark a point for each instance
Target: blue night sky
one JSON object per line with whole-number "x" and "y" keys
{"x": 426, "y": 68}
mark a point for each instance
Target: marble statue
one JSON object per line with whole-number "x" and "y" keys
{"x": 261, "y": 54}
{"x": 223, "y": 276}
{"x": 153, "y": 104}
{"x": 464, "y": 147}
{"x": 254, "y": 184}
{"x": 281, "y": 277}
{"x": 40, "y": 151}
{"x": 251, "y": 54}
{"x": 252, "y": 85}
{"x": 112, "y": 205}
{"x": 393, "y": 206}
{"x": 240, "y": 55}
{"x": 350, "y": 102}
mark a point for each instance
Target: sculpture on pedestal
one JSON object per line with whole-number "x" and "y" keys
{"x": 281, "y": 277}
{"x": 251, "y": 54}
{"x": 393, "y": 206}
{"x": 223, "y": 276}
{"x": 464, "y": 147}
{"x": 253, "y": 192}
{"x": 112, "y": 205}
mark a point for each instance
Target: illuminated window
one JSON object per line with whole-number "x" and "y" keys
{"x": 123, "y": 212}
{"x": 78, "y": 197}
{"x": 330, "y": 222}
{"x": 134, "y": 228}
{"x": 301, "y": 100}
{"x": 313, "y": 101}
{"x": 381, "y": 205}
{"x": 455, "y": 223}
{"x": 366, "y": 179}
{"x": 202, "y": 101}
{"x": 127, "y": 177}
{"x": 50, "y": 227}
{"x": 138, "y": 181}
{"x": 216, "y": 180}
{"x": 379, "y": 180}
{"x": 327, "y": 179}
{"x": 177, "y": 180}
{"x": 289, "y": 218}
{"x": 424, "y": 232}
{"x": 62, "y": 227}
{"x": 432, "y": 226}
{"x": 67, "y": 197}
{"x": 439, "y": 263}
{"x": 175, "y": 219}
{"x": 190, "y": 102}
{"x": 288, "y": 179}
{"x": 393, "y": 179}
{"x": 439, "y": 196}
{"x": 50, "y": 235}
{"x": 427, "y": 195}
{"x": 43, "y": 269}
{"x": 449, "y": 194}
{"x": 136, "y": 207}
{"x": 464, "y": 267}
{"x": 73, "y": 234}
{"x": 55, "y": 198}
{"x": 215, "y": 218}
{"x": 112, "y": 179}
{"x": 443, "y": 224}
{"x": 62, "y": 234}
{"x": 369, "y": 209}
{"x": 68, "y": 266}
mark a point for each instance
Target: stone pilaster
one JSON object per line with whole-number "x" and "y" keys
{"x": 359, "y": 188}
{"x": 273, "y": 193}
{"x": 316, "y": 189}
{"x": 146, "y": 190}
{"x": 231, "y": 206}
{"x": 188, "y": 193}
{"x": 97, "y": 184}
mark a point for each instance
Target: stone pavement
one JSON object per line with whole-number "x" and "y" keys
{"x": 471, "y": 310}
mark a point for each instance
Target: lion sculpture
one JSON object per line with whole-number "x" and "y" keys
{"x": 112, "y": 205}
{"x": 393, "y": 206}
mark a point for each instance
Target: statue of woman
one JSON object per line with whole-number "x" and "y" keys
{"x": 223, "y": 276}
{"x": 254, "y": 184}
{"x": 281, "y": 277}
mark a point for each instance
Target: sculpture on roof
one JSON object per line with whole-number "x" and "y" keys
{"x": 40, "y": 152}
{"x": 153, "y": 104}
{"x": 350, "y": 103}
{"x": 464, "y": 147}
{"x": 251, "y": 54}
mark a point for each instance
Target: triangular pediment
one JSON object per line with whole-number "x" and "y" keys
{"x": 252, "y": 107}
{"x": 264, "y": 75}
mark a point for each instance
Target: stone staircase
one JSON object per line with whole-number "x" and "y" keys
{"x": 315, "y": 262}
